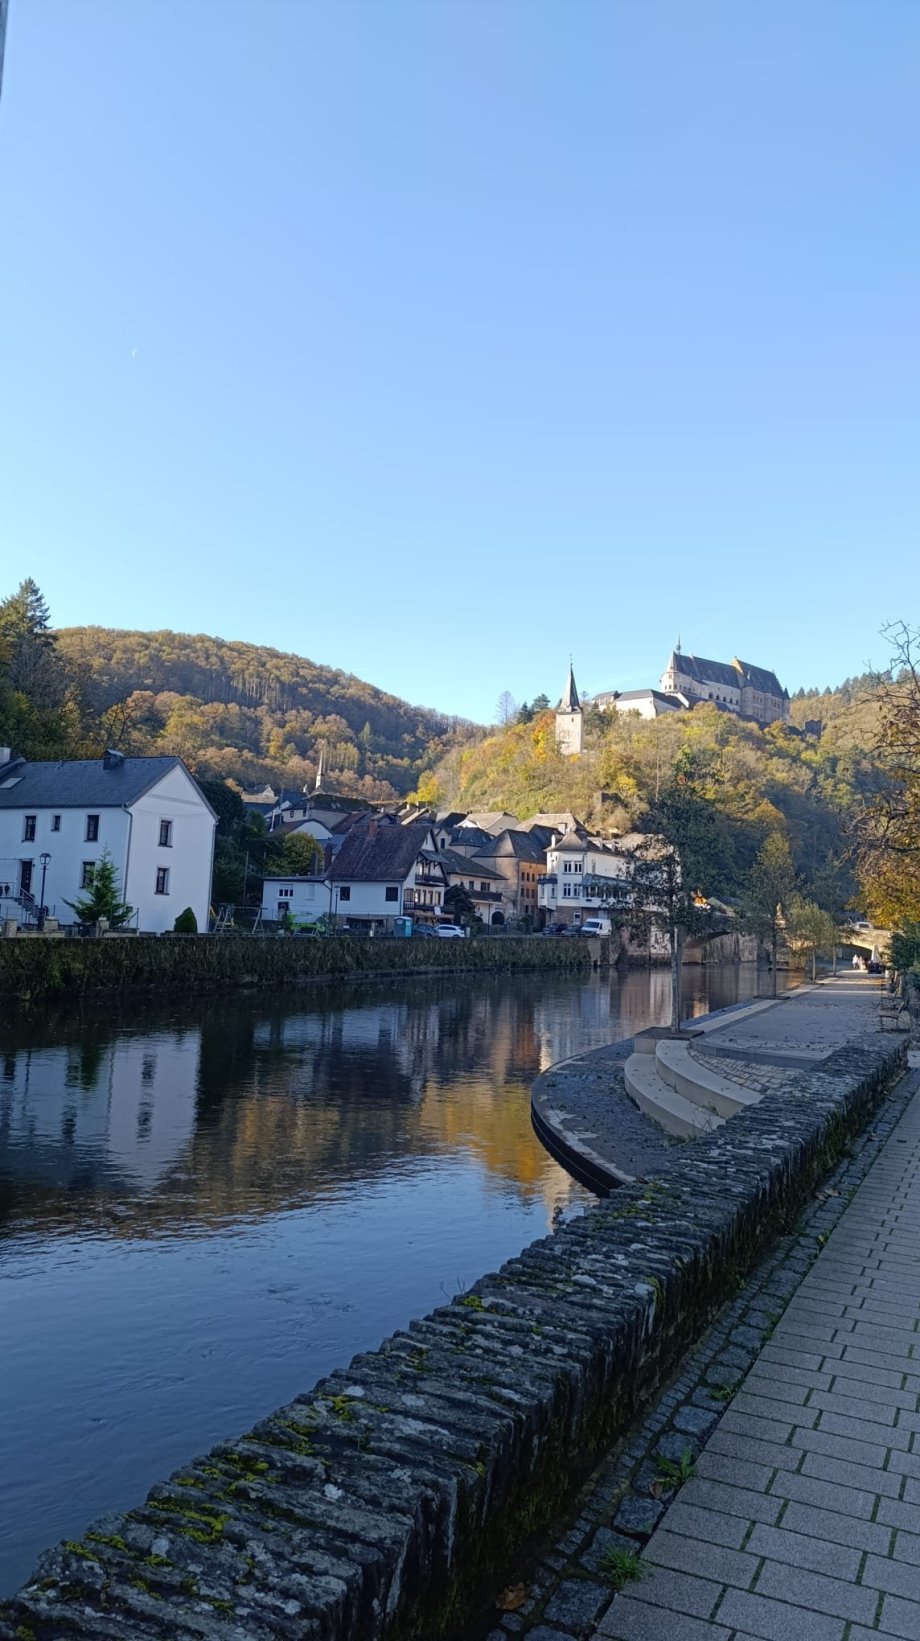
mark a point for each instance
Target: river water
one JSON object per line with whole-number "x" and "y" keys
{"x": 206, "y": 1206}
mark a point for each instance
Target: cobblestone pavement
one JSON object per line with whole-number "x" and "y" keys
{"x": 710, "y": 1421}
{"x": 802, "y": 1518}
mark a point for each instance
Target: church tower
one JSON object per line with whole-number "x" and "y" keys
{"x": 570, "y": 722}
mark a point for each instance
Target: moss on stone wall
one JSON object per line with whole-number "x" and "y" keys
{"x": 32, "y": 968}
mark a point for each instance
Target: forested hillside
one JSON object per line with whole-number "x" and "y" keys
{"x": 810, "y": 788}
{"x": 252, "y": 714}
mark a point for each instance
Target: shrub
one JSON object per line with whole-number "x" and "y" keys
{"x": 186, "y": 922}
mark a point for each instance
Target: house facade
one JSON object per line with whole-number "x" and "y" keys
{"x": 58, "y": 819}
{"x": 519, "y": 861}
{"x": 383, "y": 870}
{"x": 583, "y": 877}
{"x": 648, "y": 703}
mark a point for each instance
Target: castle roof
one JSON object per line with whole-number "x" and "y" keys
{"x": 733, "y": 674}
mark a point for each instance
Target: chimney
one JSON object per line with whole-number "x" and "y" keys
{"x": 112, "y": 760}
{"x": 6, "y": 755}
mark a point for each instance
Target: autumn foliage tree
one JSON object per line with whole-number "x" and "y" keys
{"x": 888, "y": 830}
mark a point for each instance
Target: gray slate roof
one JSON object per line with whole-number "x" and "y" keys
{"x": 522, "y": 845}
{"x": 82, "y": 783}
{"x": 731, "y": 675}
{"x": 468, "y": 865}
{"x": 384, "y": 856}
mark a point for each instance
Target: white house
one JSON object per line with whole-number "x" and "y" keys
{"x": 57, "y": 819}
{"x": 583, "y": 876}
{"x": 382, "y": 870}
{"x": 648, "y": 703}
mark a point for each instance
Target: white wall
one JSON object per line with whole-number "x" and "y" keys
{"x": 305, "y": 901}
{"x": 188, "y": 860}
{"x": 68, "y": 849}
{"x": 369, "y": 900}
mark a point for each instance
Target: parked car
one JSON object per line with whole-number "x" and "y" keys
{"x": 425, "y": 930}
{"x": 449, "y": 931}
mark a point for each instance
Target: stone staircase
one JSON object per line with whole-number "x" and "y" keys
{"x": 672, "y": 1087}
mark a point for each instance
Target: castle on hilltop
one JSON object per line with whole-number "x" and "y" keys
{"x": 689, "y": 680}
{"x": 751, "y": 692}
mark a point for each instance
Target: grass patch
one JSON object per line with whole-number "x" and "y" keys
{"x": 676, "y": 1471}
{"x": 621, "y": 1567}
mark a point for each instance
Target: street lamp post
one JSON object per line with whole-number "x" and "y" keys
{"x": 44, "y": 860}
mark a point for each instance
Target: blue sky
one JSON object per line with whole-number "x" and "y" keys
{"x": 437, "y": 339}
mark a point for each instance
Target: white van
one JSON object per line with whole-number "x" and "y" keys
{"x": 596, "y": 925}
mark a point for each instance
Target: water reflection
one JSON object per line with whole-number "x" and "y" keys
{"x": 203, "y": 1208}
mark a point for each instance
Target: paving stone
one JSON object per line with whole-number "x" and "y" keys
{"x": 679, "y": 1592}
{"x": 849, "y": 1501}
{"x": 896, "y": 1577}
{"x": 799, "y": 1550}
{"x": 737, "y": 1472}
{"x": 738, "y": 1503}
{"x": 709, "y": 1526}
{"x": 638, "y": 1517}
{"x": 776, "y": 1620}
{"x": 668, "y": 1548}
{"x": 627, "y": 1620}
{"x": 577, "y": 1604}
{"x": 907, "y": 1548}
{"x": 900, "y": 1617}
{"x": 828, "y": 1525}
{"x": 696, "y": 1421}
{"x": 816, "y": 1592}
{"x": 772, "y": 1455}
{"x": 846, "y": 1448}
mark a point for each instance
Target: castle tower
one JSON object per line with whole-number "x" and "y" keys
{"x": 570, "y": 722}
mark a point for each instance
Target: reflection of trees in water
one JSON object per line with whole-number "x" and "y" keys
{"x": 284, "y": 1101}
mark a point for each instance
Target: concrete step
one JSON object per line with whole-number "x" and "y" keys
{"x": 671, "y": 1110}
{"x": 700, "y": 1084}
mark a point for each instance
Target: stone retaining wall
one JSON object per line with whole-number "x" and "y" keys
{"x": 390, "y": 1498}
{"x": 35, "y": 967}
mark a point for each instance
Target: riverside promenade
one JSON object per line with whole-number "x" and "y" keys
{"x": 391, "y": 1498}
{"x": 792, "y": 1507}
{"x": 803, "y": 1516}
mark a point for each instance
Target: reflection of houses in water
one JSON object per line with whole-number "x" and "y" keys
{"x": 241, "y": 1110}
{"x": 584, "y": 1024}
{"x": 116, "y": 1112}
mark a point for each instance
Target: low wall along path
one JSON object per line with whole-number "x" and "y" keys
{"x": 392, "y": 1497}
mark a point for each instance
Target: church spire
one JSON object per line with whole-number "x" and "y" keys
{"x": 570, "y": 701}
{"x": 320, "y": 769}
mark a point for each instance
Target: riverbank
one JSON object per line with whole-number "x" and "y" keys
{"x": 35, "y": 968}
{"x": 394, "y": 1494}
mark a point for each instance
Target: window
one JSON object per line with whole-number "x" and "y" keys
{"x": 92, "y": 828}
{"x": 391, "y": 892}
{"x": 165, "y": 834}
{"x": 345, "y": 892}
{"x": 162, "y": 887}
{"x": 28, "y": 829}
{"x": 55, "y": 823}
{"x": 86, "y": 876}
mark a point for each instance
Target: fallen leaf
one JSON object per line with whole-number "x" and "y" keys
{"x": 512, "y": 1598}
